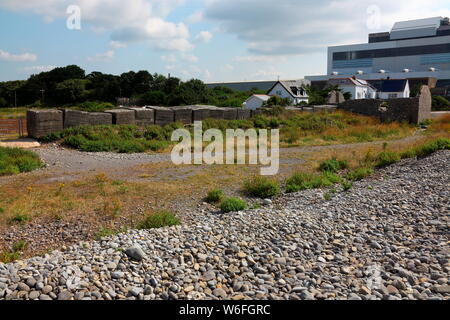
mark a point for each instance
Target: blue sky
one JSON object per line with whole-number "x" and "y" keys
{"x": 213, "y": 40}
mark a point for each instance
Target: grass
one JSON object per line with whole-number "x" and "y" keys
{"x": 14, "y": 253}
{"x": 104, "y": 232}
{"x": 359, "y": 173}
{"x": 12, "y": 113}
{"x": 303, "y": 181}
{"x": 120, "y": 138}
{"x": 387, "y": 158}
{"x": 333, "y": 165}
{"x": 296, "y": 129}
{"x": 15, "y": 161}
{"x": 20, "y": 218}
{"x": 159, "y": 220}
{"x": 233, "y": 205}
{"x": 261, "y": 187}
{"x": 214, "y": 196}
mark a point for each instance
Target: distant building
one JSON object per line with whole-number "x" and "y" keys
{"x": 391, "y": 89}
{"x": 358, "y": 88}
{"x": 417, "y": 50}
{"x": 256, "y": 101}
{"x": 294, "y": 90}
{"x": 244, "y": 85}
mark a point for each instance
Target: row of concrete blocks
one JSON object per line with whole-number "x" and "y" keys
{"x": 44, "y": 122}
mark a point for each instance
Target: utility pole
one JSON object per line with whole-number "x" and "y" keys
{"x": 42, "y": 100}
{"x": 15, "y": 98}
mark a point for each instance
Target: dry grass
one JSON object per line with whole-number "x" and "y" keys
{"x": 106, "y": 202}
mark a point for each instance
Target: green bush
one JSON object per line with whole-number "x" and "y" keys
{"x": 347, "y": 185}
{"x": 15, "y": 160}
{"x": 261, "y": 187}
{"x": 333, "y": 165}
{"x": 428, "y": 148}
{"x": 303, "y": 181}
{"x": 387, "y": 158}
{"x": 159, "y": 220}
{"x": 20, "y": 218}
{"x": 359, "y": 173}
{"x": 95, "y": 106}
{"x": 214, "y": 196}
{"x": 233, "y": 205}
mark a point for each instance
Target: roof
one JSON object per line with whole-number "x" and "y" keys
{"x": 287, "y": 84}
{"x": 391, "y": 85}
{"x": 350, "y": 82}
{"x": 416, "y": 28}
{"x": 262, "y": 97}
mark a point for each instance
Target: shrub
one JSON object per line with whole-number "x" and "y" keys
{"x": 387, "y": 158}
{"x": 233, "y": 205}
{"x": 95, "y": 106}
{"x": 20, "y": 218}
{"x": 303, "y": 181}
{"x": 159, "y": 220}
{"x": 261, "y": 187}
{"x": 104, "y": 232}
{"x": 14, "y": 253}
{"x": 429, "y": 148}
{"x": 333, "y": 165}
{"x": 359, "y": 173}
{"x": 15, "y": 160}
{"x": 214, "y": 196}
{"x": 347, "y": 185}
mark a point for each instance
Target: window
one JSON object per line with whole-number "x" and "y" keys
{"x": 392, "y": 52}
{"x": 392, "y": 95}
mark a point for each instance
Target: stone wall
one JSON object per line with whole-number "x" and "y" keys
{"x": 183, "y": 115}
{"x": 43, "y": 122}
{"x": 413, "y": 110}
{"x": 163, "y": 115}
{"x": 143, "y": 116}
{"x": 122, "y": 116}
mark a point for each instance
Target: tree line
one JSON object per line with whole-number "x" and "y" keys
{"x": 71, "y": 85}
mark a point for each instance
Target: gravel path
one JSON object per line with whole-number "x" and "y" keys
{"x": 386, "y": 238}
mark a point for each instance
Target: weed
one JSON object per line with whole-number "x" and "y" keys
{"x": 359, "y": 173}
{"x": 159, "y": 220}
{"x": 15, "y": 160}
{"x": 233, "y": 205}
{"x": 333, "y": 165}
{"x": 214, "y": 196}
{"x": 261, "y": 187}
{"x": 347, "y": 185}
{"x": 20, "y": 218}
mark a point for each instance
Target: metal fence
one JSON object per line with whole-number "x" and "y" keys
{"x": 13, "y": 128}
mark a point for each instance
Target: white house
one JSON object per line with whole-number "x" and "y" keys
{"x": 358, "y": 88}
{"x": 255, "y": 101}
{"x": 391, "y": 89}
{"x": 294, "y": 90}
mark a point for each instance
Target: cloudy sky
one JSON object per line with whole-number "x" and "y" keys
{"x": 213, "y": 40}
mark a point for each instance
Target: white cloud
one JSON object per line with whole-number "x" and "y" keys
{"x": 196, "y": 17}
{"x": 6, "y": 56}
{"x": 292, "y": 27}
{"x": 261, "y": 58}
{"x": 169, "y": 58}
{"x": 226, "y": 68}
{"x": 38, "y": 69}
{"x": 117, "y": 44}
{"x": 103, "y": 57}
{"x": 203, "y": 37}
{"x": 127, "y": 21}
{"x": 189, "y": 58}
